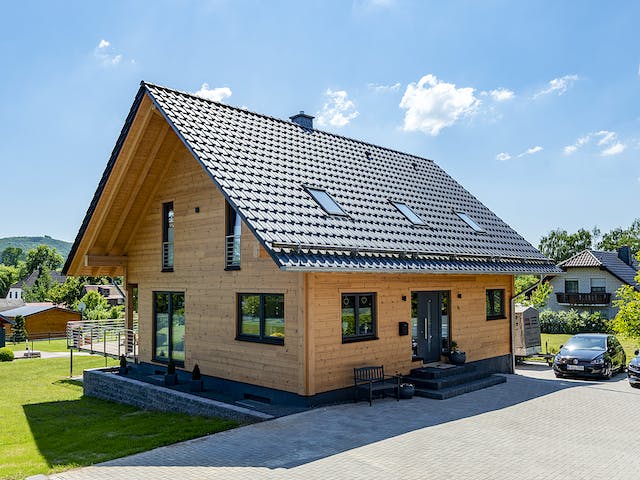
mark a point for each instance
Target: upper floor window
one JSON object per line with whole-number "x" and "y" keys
{"x": 409, "y": 213}
{"x": 470, "y": 221}
{"x": 232, "y": 238}
{"x": 571, "y": 286}
{"x": 326, "y": 201}
{"x": 167, "y": 236}
{"x": 598, "y": 285}
{"x": 495, "y": 304}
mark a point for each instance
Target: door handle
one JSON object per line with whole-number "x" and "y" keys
{"x": 427, "y": 328}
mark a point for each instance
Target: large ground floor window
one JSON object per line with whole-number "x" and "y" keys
{"x": 261, "y": 317}
{"x": 168, "y": 326}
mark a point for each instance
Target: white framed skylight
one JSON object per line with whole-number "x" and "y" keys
{"x": 470, "y": 221}
{"x": 410, "y": 214}
{"x": 326, "y": 202}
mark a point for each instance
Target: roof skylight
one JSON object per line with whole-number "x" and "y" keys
{"x": 470, "y": 221}
{"x": 410, "y": 214}
{"x": 325, "y": 200}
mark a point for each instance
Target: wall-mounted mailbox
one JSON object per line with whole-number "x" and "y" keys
{"x": 403, "y": 328}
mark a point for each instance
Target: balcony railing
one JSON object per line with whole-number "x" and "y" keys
{"x": 594, "y": 298}
{"x": 232, "y": 256}
{"x": 167, "y": 255}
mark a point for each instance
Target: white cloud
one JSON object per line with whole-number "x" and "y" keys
{"x": 368, "y": 6}
{"x": 432, "y": 105}
{"x": 217, "y": 94}
{"x": 337, "y": 110}
{"x": 503, "y": 157}
{"x": 607, "y": 141}
{"x": 105, "y": 54}
{"x": 500, "y": 94}
{"x": 571, "y": 149}
{"x": 558, "y": 86}
{"x": 384, "y": 88}
{"x": 531, "y": 151}
{"x": 614, "y": 149}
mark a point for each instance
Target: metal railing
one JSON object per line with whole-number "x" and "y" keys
{"x": 232, "y": 249}
{"x": 593, "y": 298}
{"x": 110, "y": 338}
{"x": 167, "y": 254}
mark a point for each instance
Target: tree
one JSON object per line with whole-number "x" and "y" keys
{"x": 97, "y": 307}
{"x": 619, "y": 237}
{"x": 40, "y": 258}
{"x": 10, "y": 256}
{"x": 67, "y": 293}
{"x": 8, "y": 276}
{"x": 627, "y": 320}
{"x": 19, "y": 329}
{"x": 538, "y": 297}
{"x": 40, "y": 290}
{"x": 560, "y": 245}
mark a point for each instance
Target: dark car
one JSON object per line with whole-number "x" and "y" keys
{"x": 590, "y": 355}
{"x": 633, "y": 370}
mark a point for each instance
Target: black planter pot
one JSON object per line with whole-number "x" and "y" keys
{"x": 170, "y": 379}
{"x": 196, "y": 385}
{"x": 458, "y": 358}
{"x": 407, "y": 390}
{"x": 123, "y": 370}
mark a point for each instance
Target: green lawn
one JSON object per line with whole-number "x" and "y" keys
{"x": 58, "y": 345}
{"x": 47, "y": 426}
{"x": 555, "y": 340}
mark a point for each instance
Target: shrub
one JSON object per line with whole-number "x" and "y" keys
{"x": 6, "y": 355}
{"x": 572, "y": 322}
{"x": 171, "y": 367}
{"x": 196, "y": 375}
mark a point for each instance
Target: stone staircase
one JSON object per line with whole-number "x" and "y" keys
{"x": 441, "y": 383}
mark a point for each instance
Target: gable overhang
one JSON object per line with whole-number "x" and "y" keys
{"x": 83, "y": 258}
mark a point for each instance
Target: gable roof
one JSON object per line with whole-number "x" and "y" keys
{"x": 608, "y": 261}
{"x": 263, "y": 166}
{"x": 30, "y": 281}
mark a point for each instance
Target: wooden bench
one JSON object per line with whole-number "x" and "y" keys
{"x": 372, "y": 379}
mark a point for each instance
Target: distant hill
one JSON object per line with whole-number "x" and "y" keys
{"x": 27, "y": 243}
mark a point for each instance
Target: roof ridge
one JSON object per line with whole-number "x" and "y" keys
{"x": 281, "y": 120}
{"x": 594, "y": 257}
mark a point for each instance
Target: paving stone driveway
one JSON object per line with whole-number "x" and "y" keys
{"x": 533, "y": 426}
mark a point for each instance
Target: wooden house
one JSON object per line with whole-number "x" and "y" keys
{"x": 42, "y": 320}
{"x": 279, "y": 257}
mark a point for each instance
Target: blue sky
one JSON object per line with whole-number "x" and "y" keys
{"x": 532, "y": 106}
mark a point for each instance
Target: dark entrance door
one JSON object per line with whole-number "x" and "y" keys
{"x": 427, "y": 323}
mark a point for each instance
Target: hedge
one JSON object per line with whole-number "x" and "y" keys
{"x": 572, "y": 322}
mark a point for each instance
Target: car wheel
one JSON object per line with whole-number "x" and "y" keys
{"x": 634, "y": 385}
{"x": 558, "y": 375}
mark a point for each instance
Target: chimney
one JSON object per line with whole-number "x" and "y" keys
{"x": 302, "y": 119}
{"x": 624, "y": 254}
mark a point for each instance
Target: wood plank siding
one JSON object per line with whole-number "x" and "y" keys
{"x": 331, "y": 362}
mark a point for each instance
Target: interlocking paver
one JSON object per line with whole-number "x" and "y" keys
{"x": 531, "y": 426}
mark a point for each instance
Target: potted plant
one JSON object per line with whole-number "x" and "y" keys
{"x": 407, "y": 390}
{"x": 122, "y": 369}
{"x": 171, "y": 377}
{"x": 196, "y": 384}
{"x": 456, "y": 356}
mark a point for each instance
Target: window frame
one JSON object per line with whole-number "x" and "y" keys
{"x": 166, "y": 208}
{"x": 311, "y": 190}
{"x": 374, "y": 317}
{"x": 502, "y": 314}
{"x": 470, "y": 221}
{"x": 179, "y": 363}
{"x": 603, "y": 287}
{"x": 571, "y": 280}
{"x": 408, "y": 213}
{"x": 261, "y": 337}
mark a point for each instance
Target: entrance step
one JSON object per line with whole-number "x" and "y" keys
{"x": 439, "y": 372}
{"x": 460, "y": 389}
{"x": 447, "y": 381}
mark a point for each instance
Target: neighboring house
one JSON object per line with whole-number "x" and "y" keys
{"x": 16, "y": 290}
{"x": 112, "y": 293}
{"x": 590, "y": 280}
{"x": 8, "y": 304}
{"x": 278, "y": 257}
{"x": 41, "y": 319}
